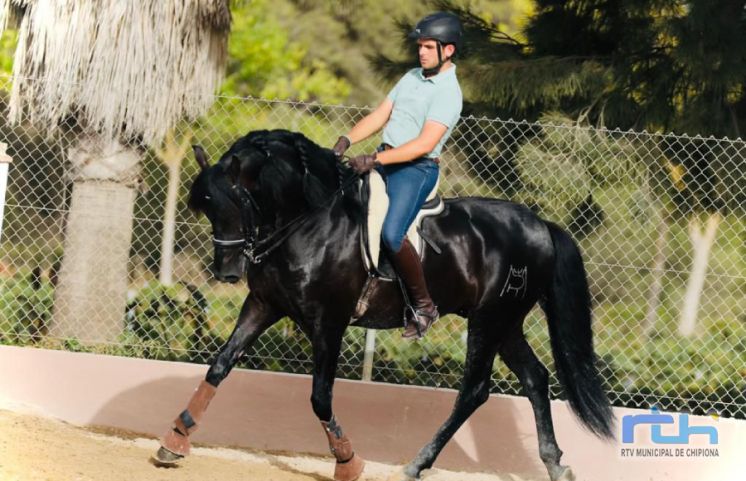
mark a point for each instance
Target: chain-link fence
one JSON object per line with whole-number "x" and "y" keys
{"x": 660, "y": 219}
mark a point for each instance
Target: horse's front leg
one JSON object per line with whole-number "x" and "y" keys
{"x": 255, "y": 318}
{"x": 326, "y": 344}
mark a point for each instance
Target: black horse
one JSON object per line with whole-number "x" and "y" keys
{"x": 283, "y": 212}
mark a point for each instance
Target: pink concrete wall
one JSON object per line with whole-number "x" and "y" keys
{"x": 386, "y": 423}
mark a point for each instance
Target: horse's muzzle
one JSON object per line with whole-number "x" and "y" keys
{"x": 229, "y": 278}
{"x": 228, "y": 265}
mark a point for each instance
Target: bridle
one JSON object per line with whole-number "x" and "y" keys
{"x": 249, "y": 234}
{"x": 256, "y": 249}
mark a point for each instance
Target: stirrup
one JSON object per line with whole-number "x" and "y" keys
{"x": 420, "y": 328}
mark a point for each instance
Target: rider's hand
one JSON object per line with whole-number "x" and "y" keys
{"x": 343, "y": 143}
{"x": 364, "y": 163}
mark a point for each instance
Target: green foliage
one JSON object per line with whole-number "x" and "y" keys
{"x": 523, "y": 88}
{"x": 309, "y": 84}
{"x": 8, "y": 41}
{"x": 150, "y": 311}
{"x": 265, "y": 63}
{"x": 568, "y": 161}
{"x": 665, "y": 368}
{"x": 510, "y": 16}
{"x": 345, "y": 34}
{"x": 25, "y": 308}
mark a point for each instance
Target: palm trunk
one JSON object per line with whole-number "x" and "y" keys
{"x": 169, "y": 225}
{"x": 91, "y": 295}
{"x": 172, "y": 154}
{"x": 702, "y": 241}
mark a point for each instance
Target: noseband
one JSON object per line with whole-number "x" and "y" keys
{"x": 249, "y": 210}
{"x": 227, "y": 243}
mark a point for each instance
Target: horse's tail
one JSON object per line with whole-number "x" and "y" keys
{"x": 568, "y": 310}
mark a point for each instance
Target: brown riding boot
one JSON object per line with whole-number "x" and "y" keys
{"x": 409, "y": 268}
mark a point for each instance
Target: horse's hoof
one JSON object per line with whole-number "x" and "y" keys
{"x": 565, "y": 475}
{"x": 350, "y": 470}
{"x": 166, "y": 458}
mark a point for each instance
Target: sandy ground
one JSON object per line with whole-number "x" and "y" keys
{"x": 35, "y": 448}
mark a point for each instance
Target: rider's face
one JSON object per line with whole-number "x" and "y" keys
{"x": 428, "y": 53}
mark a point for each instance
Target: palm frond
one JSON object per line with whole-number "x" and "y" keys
{"x": 123, "y": 69}
{"x": 10, "y": 11}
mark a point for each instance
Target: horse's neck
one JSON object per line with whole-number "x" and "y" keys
{"x": 321, "y": 223}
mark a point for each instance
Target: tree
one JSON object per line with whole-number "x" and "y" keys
{"x": 171, "y": 154}
{"x": 670, "y": 65}
{"x": 119, "y": 75}
{"x": 265, "y": 62}
{"x": 344, "y": 33}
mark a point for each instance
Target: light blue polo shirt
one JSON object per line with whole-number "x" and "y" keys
{"x": 418, "y": 99}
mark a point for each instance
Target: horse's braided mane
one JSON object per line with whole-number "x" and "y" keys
{"x": 321, "y": 172}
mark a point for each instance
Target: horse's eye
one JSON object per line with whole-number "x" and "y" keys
{"x": 208, "y": 197}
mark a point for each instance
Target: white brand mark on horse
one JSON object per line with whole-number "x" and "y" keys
{"x": 517, "y": 282}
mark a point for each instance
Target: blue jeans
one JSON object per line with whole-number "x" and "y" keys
{"x": 407, "y": 185}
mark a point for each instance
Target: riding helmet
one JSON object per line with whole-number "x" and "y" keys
{"x": 445, "y": 27}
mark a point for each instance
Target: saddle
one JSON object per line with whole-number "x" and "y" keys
{"x": 376, "y": 202}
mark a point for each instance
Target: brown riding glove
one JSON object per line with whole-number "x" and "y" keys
{"x": 343, "y": 143}
{"x": 364, "y": 163}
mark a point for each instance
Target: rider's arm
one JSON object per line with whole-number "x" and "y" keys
{"x": 423, "y": 144}
{"x": 371, "y": 123}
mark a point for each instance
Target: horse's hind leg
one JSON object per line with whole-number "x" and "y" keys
{"x": 534, "y": 377}
{"x": 475, "y": 390}
{"x": 254, "y": 319}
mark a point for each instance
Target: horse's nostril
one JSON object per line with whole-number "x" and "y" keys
{"x": 229, "y": 278}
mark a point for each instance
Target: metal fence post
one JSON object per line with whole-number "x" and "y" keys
{"x": 370, "y": 350}
{"x": 5, "y": 160}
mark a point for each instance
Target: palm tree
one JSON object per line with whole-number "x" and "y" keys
{"x": 117, "y": 75}
{"x": 172, "y": 155}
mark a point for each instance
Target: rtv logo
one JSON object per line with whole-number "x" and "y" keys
{"x": 655, "y": 419}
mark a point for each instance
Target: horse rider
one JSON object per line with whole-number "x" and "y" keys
{"x": 417, "y": 117}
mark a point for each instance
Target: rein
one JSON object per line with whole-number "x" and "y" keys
{"x": 255, "y": 249}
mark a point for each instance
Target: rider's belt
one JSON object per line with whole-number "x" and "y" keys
{"x": 389, "y": 147}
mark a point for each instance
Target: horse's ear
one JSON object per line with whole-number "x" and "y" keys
{"x": 199, "y": 154}
{"x": 234, "y": 169}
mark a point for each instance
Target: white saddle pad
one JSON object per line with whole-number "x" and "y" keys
{"x": 378, "y": 204}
